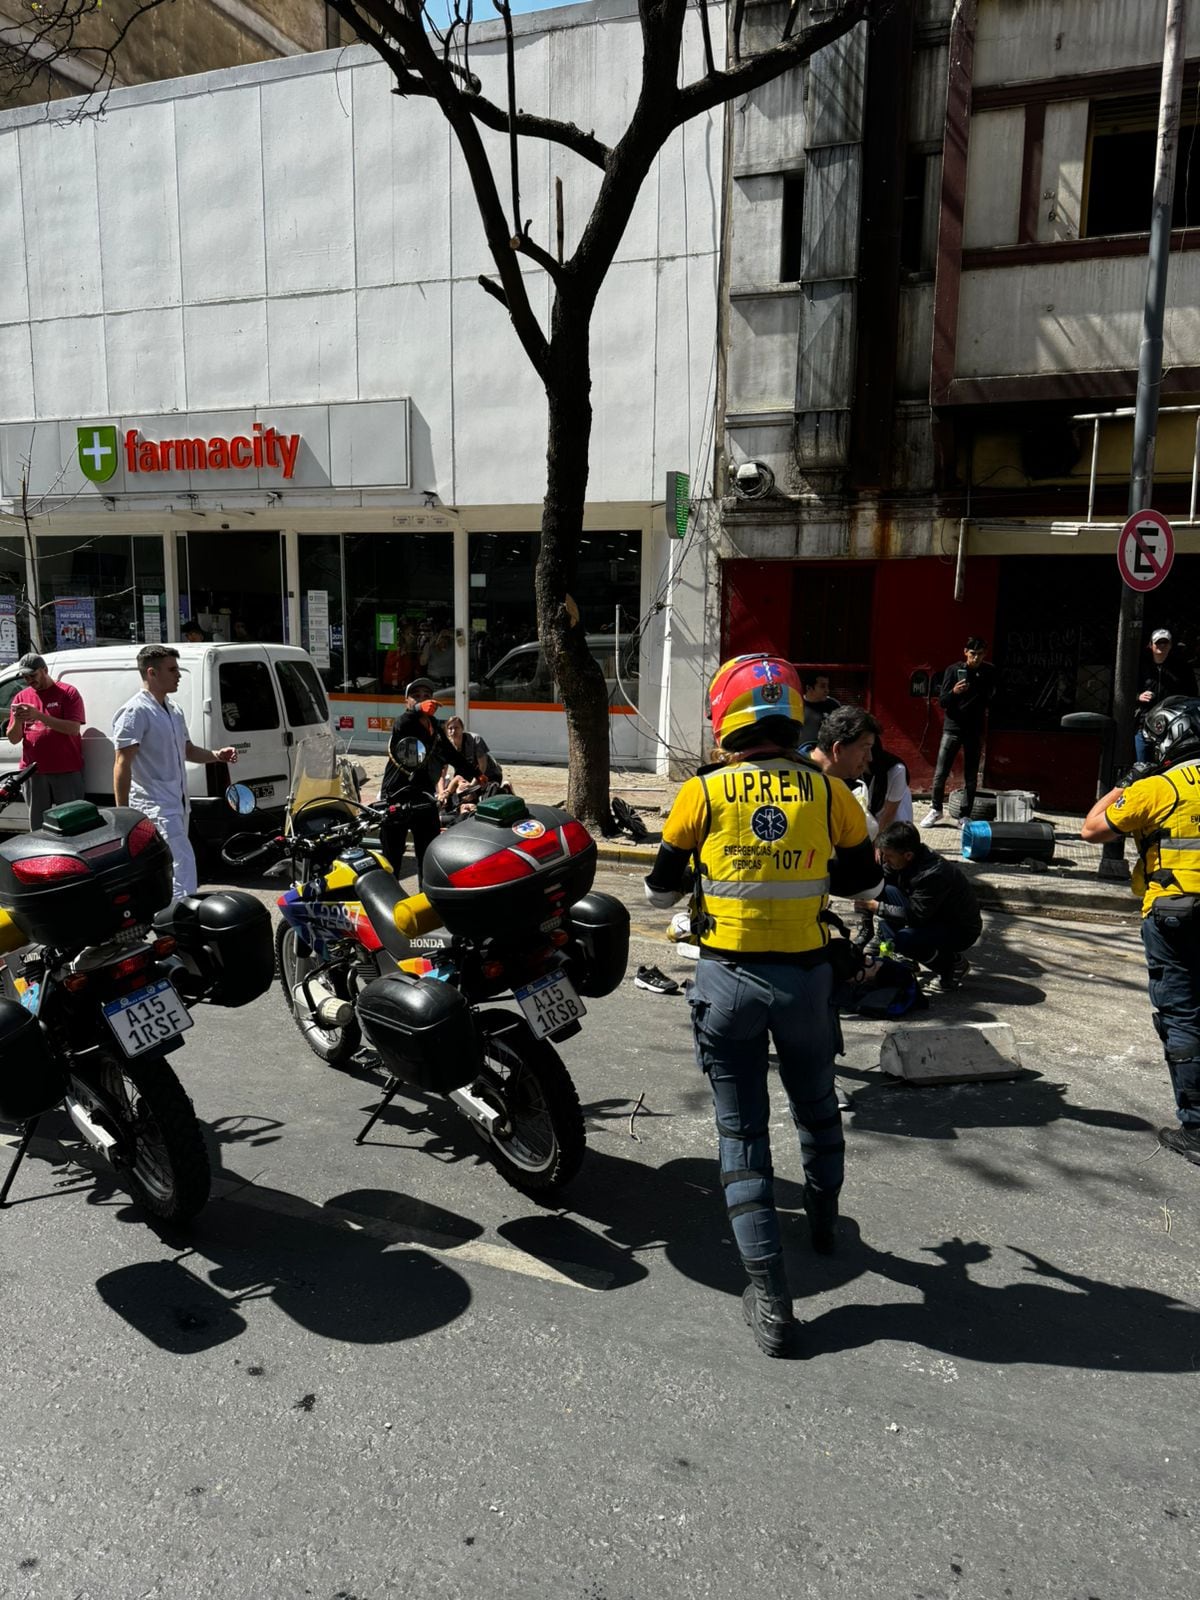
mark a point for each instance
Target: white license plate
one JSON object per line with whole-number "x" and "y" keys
{"x": 263, "y": 791}
{"x": 147, "y": 1017}
{"x": 550, "y": 1003}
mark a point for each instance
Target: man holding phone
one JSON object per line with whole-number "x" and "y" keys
{"x": 967, "y": 688}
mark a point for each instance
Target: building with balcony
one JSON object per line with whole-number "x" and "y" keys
{"x": 934, "y": 279}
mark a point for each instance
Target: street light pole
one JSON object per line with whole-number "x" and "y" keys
{"x": 1149, "y": 380}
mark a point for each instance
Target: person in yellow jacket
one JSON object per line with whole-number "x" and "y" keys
{"x": 771, "y": 836}
{"x": 1159, "y": 807}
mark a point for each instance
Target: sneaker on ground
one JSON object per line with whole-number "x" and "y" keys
{"x": 950, "y": 977}
{"x": 1184, "y": 1141}
{"x": 657, "y": 982}
{"x": 931, "y": 819}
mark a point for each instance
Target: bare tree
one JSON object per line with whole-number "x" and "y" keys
{"x": 76, "y": 41}
{"x": 433, "y": 61}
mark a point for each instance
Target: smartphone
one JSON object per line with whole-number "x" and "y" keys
{"x": 961, "y": 676}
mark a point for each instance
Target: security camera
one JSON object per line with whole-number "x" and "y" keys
{"x": 752, "y": 480}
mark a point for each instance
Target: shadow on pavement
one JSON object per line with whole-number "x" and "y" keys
{"x": 1053, "y": 1317}
{"x": 338, "y": 1280}
{"x": 886, "y": 1105}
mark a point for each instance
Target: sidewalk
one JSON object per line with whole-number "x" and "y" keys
{"x": 1067, "y": 887}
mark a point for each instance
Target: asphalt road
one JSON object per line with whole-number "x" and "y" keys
{"x": 379, "y": 1371}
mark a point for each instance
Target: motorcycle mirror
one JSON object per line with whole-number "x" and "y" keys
{"x": 239, "y": 797}
{"x": 409, "y": 754}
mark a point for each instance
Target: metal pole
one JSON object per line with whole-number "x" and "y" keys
{"x": 1149, "y": 383}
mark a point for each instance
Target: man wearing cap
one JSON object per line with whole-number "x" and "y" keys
{"x": 47, "y": 722}
{"x": 419, "y": 689}
{"x": 411, "y": 787}
{"x": 1169, "y": 673}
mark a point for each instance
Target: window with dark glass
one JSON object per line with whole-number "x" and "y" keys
{"x": 1056, "y": 619}
{"x": 912, "y": 214}
{"x": 248, "y": 703}
{"x": 303, "y": 697}
{"x": 791, "y": 252}
{"x": 322, "y": 613}
{"x": 14, "y": 603}
{"x": 1121, "y": 154}
{"x": 399, "y": 611}
{"x": 503, "y": 615}
{"x": 109, "y": 589}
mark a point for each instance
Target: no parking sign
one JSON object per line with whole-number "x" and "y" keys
{"x": 1145, "y": 550}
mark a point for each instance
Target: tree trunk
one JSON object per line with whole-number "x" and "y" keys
{"x": 560, "y": 629}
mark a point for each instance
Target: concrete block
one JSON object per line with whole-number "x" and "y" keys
{"x": 970, "y": 1053}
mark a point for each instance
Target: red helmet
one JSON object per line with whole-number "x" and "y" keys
{"x": 750, "y": 690}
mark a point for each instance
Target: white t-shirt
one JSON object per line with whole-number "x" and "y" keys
{"x": 897, "y": 789}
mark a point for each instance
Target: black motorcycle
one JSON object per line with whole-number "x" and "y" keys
{"x": 98, "y": 968}
{"x": 506, "y": 910}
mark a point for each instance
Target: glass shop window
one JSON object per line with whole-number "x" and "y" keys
{"x": 505, "y": 661}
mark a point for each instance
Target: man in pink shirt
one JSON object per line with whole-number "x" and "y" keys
{"x": 47, "y": 721}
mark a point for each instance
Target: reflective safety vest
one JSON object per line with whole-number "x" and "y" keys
{"x": 1162, "y": 814}
{"x": 764, "y": 861}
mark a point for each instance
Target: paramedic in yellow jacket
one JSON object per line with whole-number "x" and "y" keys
{"x": 1160, "y": 811}
{"x": 764, "y": 830}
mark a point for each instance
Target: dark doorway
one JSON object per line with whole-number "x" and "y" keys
{"x": 831, "y": 624}
{"x": 233, "y": 585}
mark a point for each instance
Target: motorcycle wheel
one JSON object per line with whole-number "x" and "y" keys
{"x": 166, "y": 1164}
{"x": 542, "y": 1147}
{"x": 335, "y": 1046}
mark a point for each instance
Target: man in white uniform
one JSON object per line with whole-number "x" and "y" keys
{"x": 152, "y": 744}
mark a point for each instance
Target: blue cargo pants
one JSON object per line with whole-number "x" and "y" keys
{"x": 736, "y": 1007}
{"x": 1173, "y": 963}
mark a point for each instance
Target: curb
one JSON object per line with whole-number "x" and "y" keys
{"x": 1033, "y": 899}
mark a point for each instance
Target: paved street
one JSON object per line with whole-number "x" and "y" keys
{"x": 379, "y": 1371}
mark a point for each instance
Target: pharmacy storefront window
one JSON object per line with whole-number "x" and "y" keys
{"x": 399, "y": 621}
{"x": 506, "y": 665}
{"x": 322, "y": 620}
{"x": 110, "y": 589}
{"x": 14, "y": 602}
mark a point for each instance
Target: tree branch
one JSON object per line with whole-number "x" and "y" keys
{"x": 544, "y": 259}
{"x": 706, "y": 93}
{"x": 494, "y": 289}
{"x": 401, "y": 21}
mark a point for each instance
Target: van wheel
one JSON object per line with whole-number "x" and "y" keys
{"x": 335, "y": 1046}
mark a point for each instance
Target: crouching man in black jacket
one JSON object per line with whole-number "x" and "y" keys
{"x": 927, "y": 906}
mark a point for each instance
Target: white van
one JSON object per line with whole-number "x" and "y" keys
{"x": 264, "y": 699}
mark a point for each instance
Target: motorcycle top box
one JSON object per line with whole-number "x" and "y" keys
{"x": 508, "y": 867}
{"x": 86, "y": 875}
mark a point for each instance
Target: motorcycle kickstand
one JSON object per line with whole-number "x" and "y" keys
{"x": 393, "y": 1089}
{"x": 26, "y": 1136}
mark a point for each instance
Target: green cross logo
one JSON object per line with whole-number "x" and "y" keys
{"x": 97, "y": 452}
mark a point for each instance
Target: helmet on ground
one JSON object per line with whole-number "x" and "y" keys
{"x": 755, "y": 699}
{"x": 1173, "y": 728}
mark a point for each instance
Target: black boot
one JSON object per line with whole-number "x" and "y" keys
{"x": 822, "y": 1211}
{"x": 767, "y": 1307}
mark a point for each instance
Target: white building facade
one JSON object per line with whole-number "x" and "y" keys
{"x": 248, "y": 377}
